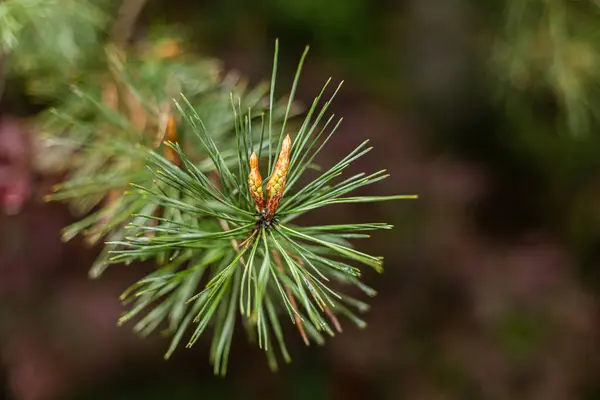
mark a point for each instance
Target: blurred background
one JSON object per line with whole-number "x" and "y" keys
{"x": 487, "y": 110}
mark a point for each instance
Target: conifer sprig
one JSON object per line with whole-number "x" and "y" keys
{"x": 236, "y": 248}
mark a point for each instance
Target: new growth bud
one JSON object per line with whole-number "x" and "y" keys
{"x": 276, "y": 184}
{"x": 255, "y": 183}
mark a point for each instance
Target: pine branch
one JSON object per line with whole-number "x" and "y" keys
{"x": 266, "y": 264}
{"x": 187, "y": 193}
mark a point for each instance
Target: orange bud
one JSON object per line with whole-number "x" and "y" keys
{"x": 255, "y": 183}
{"x": 171, "y": 136}
{"x": 171, "y": 132}
{"x": 276, "y": 184}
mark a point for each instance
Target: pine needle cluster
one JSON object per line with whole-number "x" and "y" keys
{"x": 181, "y": 184}
{"x": 231, "y": 247}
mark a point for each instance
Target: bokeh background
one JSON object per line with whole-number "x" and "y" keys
{"x": 492, "y": 281}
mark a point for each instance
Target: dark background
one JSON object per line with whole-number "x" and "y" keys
{"x": 491, "y": 283}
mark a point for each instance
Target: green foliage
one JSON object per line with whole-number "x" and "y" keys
{"x": 549, "y": 47}
{"x": 49, "y": 40}
{"x": 101, "y": 147}
{"x": 221, "y": 256}
{"x": 176, "y": 193}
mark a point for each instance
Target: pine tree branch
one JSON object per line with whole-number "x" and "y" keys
{"x": 208, "y": 210}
